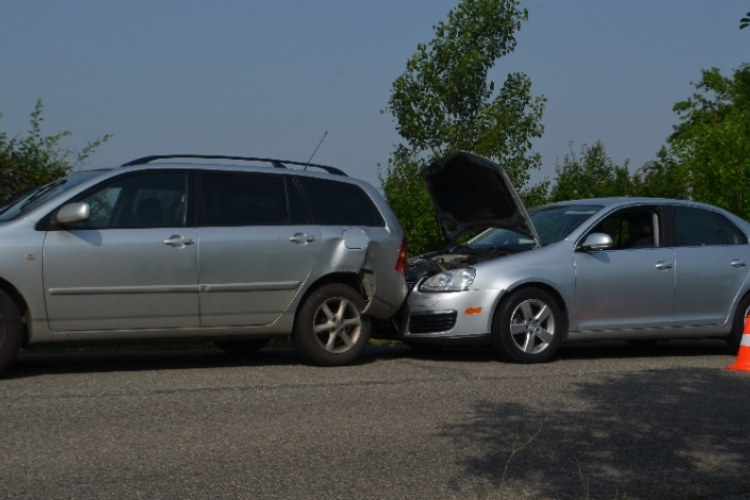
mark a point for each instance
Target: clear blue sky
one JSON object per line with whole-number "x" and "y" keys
{"x": 269, "y": 78}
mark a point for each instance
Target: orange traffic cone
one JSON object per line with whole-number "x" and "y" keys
{"x": 743, "y": 356}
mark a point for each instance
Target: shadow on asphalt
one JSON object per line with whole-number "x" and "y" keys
{"x": 656, "y": 434}
{"x": 582, "y": 350}
{"x": 34, "y": 364}
{"x": 29, "y": 364}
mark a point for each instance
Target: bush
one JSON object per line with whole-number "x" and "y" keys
{"x": 34, "y": 160}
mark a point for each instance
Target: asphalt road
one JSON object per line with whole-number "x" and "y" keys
{"x": 604, "y": 420}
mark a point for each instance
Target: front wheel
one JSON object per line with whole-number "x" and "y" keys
{"x": 528, "y": 326}
{"x": 330, "y": 329}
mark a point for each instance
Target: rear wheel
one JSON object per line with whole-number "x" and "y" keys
{"x": 528, "y": 326}
{"x": 738, "y": 326}
{"x": 243, "y": 347}
{"x": 11, "y": 331}
{"x": 330, "y": 329}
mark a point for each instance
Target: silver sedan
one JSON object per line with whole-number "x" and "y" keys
{"x": 638, "y": 269}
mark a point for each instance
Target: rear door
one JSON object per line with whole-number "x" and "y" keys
{"x": 712, "y": 264}
{"x": 257, "y": 246}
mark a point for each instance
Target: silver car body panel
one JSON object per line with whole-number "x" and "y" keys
{"x": 606, "y": 294}
{"x": 101, "y": 279}
{"x": 259, "y": 285}
{"x": 132, "y": 284}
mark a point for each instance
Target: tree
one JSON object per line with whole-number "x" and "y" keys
{"x": 663, "y": 177}
{"x": 445, "y": 102}
{"x": 711, "y": 145}
{"x": 35, "y": 159}
{"x": 593, "y": 174}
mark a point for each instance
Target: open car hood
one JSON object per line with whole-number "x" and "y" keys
{"x": 470, "y": 193}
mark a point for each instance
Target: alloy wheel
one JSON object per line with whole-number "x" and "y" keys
{"x": 532, "y": 326}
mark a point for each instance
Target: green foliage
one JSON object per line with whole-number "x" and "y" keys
{"x": 35, "y": 159}
{"x": 707, "y": 158}
{"x": 593, "y": 174}
{"x": 444, "y": 102}
{"x": 407, "y": 195}
{"x": 711, "y": 145}
{"x": 663, "y": 177}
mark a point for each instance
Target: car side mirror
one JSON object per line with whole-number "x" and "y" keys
{"x": 73, "y": 212}
{"x": 596, "y": 241}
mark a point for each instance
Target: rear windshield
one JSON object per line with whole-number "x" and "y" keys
{"x": 29, "y": 200}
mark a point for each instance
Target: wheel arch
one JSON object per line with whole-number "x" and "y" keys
{"x": 541, "y": 286}
{"x": 735, "y": 309}
{"x": 20, "y": 302}
{"x": 349, "y": 279}
{"x": 14, "y": 294}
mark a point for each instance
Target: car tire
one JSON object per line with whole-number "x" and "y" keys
{"x": 528, "y": 326}
{"x": 244, "y": 347}
{"x": 738, "y": 325}
{"x": 330, "y": 329}
{"x": 11, "y": 331}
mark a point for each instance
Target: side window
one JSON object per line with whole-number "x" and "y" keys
{"x": 631, "y": 228}
{"x": 156, "y": 199}
{"x": 237, "y": 199}
{"x": 732, "y": 234}
{"x": 340, "y": 204}
{"x": 699, "y": 227}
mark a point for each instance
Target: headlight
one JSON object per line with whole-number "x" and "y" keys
{"x": 456, "y": 280}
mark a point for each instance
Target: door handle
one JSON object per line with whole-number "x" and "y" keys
{"x": 738, "y": 263}
{"x": 302, "y": 238}
{"x": 661, "y": 265}
{"x": 178, "y": 241}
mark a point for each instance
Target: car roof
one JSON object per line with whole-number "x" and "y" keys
{"x": 632, "y": 200}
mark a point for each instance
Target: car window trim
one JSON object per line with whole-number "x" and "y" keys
{"x": 46, "y": 223}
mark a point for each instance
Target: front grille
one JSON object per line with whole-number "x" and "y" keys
{"x": 432, "y": 323}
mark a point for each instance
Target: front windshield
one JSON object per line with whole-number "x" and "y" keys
{"x": 29, "y": 200}
{"x": 552, "y": 222}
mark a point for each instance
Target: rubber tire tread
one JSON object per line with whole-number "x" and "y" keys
{"x": 304, "y": 338}
{"x": 502, "y": 340}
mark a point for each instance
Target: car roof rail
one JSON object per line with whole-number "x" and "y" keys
{"x": 276, "y": 163}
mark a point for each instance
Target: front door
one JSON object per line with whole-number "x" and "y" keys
{"x": 631, "y": 285}
{"x": 131, "y": 265}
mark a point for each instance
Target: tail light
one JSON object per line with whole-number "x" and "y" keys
{"x": 401, "y": 261}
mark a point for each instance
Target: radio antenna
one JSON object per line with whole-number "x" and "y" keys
{"x": 316, "y": 148}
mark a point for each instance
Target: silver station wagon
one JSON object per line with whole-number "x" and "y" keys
{"x": 231, "y": 249}
{"x": 636, "y": 269}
